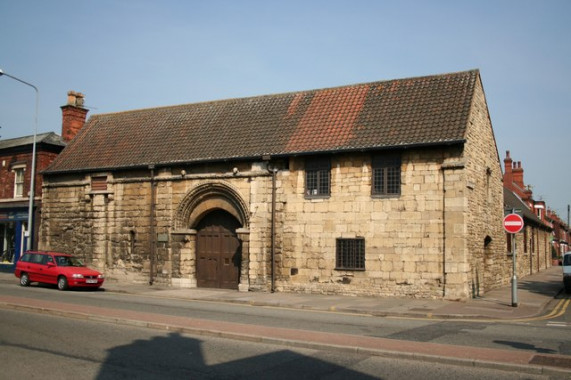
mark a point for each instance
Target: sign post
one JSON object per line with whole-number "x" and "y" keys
{"x": 513, "y": 223}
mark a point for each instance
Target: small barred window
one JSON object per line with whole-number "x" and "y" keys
{"x": 350, "y": 254}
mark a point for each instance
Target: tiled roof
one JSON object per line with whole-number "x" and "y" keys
{"x": 513, "y": 202}
{"x": 43, "y": 138}
{"x": 395, "y": 113}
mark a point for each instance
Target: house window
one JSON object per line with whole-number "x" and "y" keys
{"x": 386, "y": 175}
{"x": 19, "y": 182}
{"x": 99, "y": 183}
{"x": 350, "y": 254}
{"x": 317, "y": 177}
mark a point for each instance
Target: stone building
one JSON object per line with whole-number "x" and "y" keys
{"x": 382, "y": 188}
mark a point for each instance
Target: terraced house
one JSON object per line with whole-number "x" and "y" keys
{"x": 384, "y": 188}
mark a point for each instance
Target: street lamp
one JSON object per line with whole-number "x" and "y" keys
{"x": 33, "y": 174}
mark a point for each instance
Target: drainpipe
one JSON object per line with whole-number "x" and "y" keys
{"x": 443, "y": 232}
{"x": 152, "y": 228}
{"x": 274, "y": 171}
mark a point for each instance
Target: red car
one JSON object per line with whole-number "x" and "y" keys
{"x": 57, "y": 268}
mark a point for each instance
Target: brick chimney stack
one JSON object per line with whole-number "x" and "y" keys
{"x": 517, "y": 173}
{"x": 73, "y": 115}
{"x": 508, "y": 176}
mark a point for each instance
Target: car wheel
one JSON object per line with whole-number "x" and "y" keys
{"x": 24, "y": 279}
{"x": 62, "y": 283}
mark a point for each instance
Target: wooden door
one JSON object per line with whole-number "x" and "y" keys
{"x": 218, "y": 252}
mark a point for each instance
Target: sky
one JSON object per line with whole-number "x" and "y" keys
{"x": 132, "y": 54}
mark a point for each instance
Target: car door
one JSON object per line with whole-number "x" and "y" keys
{"x": 34, "y": 267}
{"x": 50, "y": 270}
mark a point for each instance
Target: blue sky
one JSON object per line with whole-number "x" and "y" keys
{"x": 130, "y": 54}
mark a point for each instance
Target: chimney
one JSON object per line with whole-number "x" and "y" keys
{"x": 73, "y": 115}
{"x": 517, "y": 173}
{"x": 508, "y": 177}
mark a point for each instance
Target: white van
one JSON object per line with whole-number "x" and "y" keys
{"x": 567, "y": 271}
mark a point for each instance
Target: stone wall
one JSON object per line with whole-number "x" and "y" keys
{"x": 111, "y": 230}
{"x": 488, "y": 264}
{"x": 403, "y": 234}
{"x": 533, "y": 251}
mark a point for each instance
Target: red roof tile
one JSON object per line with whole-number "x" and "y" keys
{"x": 395, "y": 113}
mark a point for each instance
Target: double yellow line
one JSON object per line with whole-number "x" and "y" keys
{"x": 557, "y": 311}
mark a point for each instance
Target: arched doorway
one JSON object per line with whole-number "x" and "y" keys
{"x": 218, "y": 251}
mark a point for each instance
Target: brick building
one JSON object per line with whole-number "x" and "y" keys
{"x": 382, "y": 188}
{"x": 15, "y": 179}
{"x": 533, "y": 243}
{"x": 561, "y": 241}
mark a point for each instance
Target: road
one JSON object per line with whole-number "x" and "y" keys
{"x": 539, "y": 336}
{"x": 51, "y": 347}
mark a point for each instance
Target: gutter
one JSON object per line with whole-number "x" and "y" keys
{"x": 49, "y": 171}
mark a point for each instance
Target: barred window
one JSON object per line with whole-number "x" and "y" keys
{"x": 386, "y": 175}
{"x": 350, "y": 254}
{"x": 317, "y": 176}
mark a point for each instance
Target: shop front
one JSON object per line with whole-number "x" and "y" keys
{"x": 13, "y": 227}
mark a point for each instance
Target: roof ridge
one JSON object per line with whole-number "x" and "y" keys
{"x": 262, "y": 96}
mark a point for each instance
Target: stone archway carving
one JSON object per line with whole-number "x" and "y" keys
{"x": 199, "y": 201}
{"x": 206, "y": 197}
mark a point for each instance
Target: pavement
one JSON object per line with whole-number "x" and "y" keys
{"x": 540, "y": 297}
{"x": 537, "y": 296}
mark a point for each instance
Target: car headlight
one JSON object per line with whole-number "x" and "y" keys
{"x": 77, "y": 275}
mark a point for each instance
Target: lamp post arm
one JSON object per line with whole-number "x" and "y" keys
{"x": 33, "y": 173}
{"x": 18, "y": 79}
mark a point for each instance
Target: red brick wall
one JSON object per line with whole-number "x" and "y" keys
{"x": 7, "y": 176}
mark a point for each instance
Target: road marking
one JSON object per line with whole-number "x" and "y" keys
{"x": 557, "y": 324}
{"x": 557, "y": 311}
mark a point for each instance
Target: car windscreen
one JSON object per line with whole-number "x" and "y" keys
{"x": 567, "y": 260}
{"x": 68, "y": 261}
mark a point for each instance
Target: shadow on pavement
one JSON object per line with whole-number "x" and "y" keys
{"x": 176, "y": 356}
{"x": 525, "y": 346}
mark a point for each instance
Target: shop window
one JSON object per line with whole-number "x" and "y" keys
{"x": 350, "y": 254}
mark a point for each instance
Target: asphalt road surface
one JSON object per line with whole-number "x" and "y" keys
{"x": 51, "y": 347}
{"x": 541, "y": 336}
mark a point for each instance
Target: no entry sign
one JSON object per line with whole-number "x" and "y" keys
{"x": 513, "y": 223}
